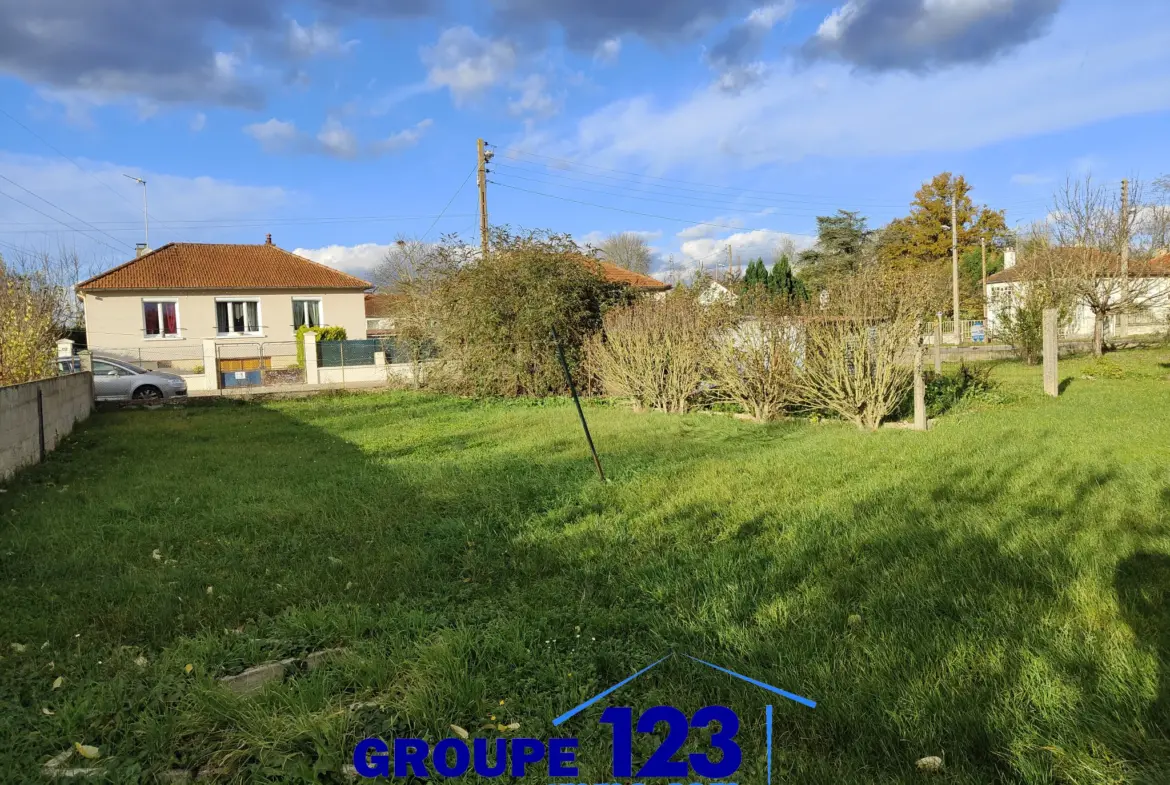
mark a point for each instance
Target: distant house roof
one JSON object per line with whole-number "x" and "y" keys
{"x": 1159, "y": 267}
{"x": 221, "y": 267}
{"x": 614, "y": 274}
{"x": 382, "y": 306}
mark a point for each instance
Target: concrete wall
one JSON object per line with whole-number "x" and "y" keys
{"x": 114, "y": 320}
{"x": 65, "y": 401}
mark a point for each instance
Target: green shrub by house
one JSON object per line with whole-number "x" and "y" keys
{"x": 322, "y": 333}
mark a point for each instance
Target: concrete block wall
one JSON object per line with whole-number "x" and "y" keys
{"x": 65, "y": 401}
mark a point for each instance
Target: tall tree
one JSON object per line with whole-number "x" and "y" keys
{"x": 842, "y": 242}
{"x": 628, "y": 250}
{"x": 923, "y": 238}
{"x": 781, "y": 282}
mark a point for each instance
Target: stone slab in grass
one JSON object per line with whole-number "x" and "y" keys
{"x": 55, "y": 767}
{"x": 253, "y": 679}
{"x": 318, "y": 658}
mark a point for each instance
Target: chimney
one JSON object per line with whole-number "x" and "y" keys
{"x": 140, "y": 249}
{"x": 1009, "y": 258}
{"x": 268, "y": 239}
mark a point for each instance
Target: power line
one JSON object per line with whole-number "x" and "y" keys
{"x": 60, "y": 209}
{"x": 101, "y": 182}
{"x": 451, "y": 201}
{"x": 740, "y": 194}
{"x": 245, "y": 223}
{"x": 621, "y": 210}
{"x": 653, "y": 196}
{"x": 58, "y": 220}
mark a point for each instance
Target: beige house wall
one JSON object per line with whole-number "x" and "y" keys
{"x": 114, "y": 320}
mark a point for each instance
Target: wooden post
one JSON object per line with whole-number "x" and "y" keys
{"x": 484, "y": 230}
{"x": 1051, "y": 351}
{"x": 983, "y": 289}
{"x": 938, "y": 338}
{"x": 920, "y": 423}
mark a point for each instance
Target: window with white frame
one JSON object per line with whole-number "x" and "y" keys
{"x": 237, "y": 317}
{"x": 306, "y": 312}
{"x": 160, "y": 318}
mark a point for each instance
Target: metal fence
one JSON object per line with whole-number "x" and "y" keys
{"x": 181, "y": 358}
{"x": 338, "y": 354}
{"x": 970, "y": 330}
{"x": 258, "y": 364}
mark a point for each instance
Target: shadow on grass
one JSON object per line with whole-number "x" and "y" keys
{"x": 1143, "y": 590}
{"x": 1064, "y": 385}
{"x": 472, "y": 560}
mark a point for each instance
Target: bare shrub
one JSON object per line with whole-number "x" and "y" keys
{"x": 654, "y": 351}
{"x": 753, "y": 363}
{"x": 855, "y": 350}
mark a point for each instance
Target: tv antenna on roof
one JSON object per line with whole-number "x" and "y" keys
{"x": 145, "y": 212}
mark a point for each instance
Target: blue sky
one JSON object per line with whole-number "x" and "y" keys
{"x": 339, "y": 125}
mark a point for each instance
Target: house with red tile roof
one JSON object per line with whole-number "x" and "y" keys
{"x": 1005, "y": 288}
{"x": 183, "y": 293}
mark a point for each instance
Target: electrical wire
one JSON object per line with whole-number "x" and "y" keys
{"x": 61, "y": 209}
{"x": 58, "y": 220}
{"x": 451, "y": 201}
{"x": 621, "y": 210}
{"x": 652, "y": 196}
{"x": 101, "y": 182}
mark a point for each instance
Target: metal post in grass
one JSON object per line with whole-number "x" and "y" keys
{"x": 577, "y": 401}
{"x": 920, "y": 423}
{"x": 938, "y": 338}
{"x": 1051, "y": 353}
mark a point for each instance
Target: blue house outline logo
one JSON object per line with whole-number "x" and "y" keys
{"x": 568, "y": 715}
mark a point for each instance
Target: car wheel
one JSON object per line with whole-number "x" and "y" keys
{"x": 147, "y": 392}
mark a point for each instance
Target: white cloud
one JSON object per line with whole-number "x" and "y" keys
{"x": 315, "y": 40}
{"x": 337, "y": 140}
{"x": 1027, "y": 179}
{"x": 358, "y": 260}
{"x": 745, "y": 246}
{"x": 334, "y": 139}
{"x": 274, "y": 136}
{"x": 534, "y": 99}
{"x": 467, "y": 63}
{"x": 709, "y": 228}
{"x": 408, "y": 137}
{"x": 197, "y": 209}
{"x": 826, "y": 110}
{"x": 198, "y": 122}
{"x": 608, "y": 51}
{"x": 769, "y": 16}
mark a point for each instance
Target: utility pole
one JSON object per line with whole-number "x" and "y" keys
{"x": 484, "y": 157}
{"x": 728, "y": 262}
{"x": 955, "y": 255}
{"x": 1123, "y": 318}
{"x": 983, "y": 290}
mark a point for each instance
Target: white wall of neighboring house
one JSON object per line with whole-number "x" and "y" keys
{"x": 115, "y": 320}
{"x": 1153, "y": 320}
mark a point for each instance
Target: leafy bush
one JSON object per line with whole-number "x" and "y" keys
{"x": 499, "y": 312}
{"x": 655, "y": 352}
{"x": 947, "y": 391}
{"x": 1103, "y": 368}
{"x": 322, "y": 333}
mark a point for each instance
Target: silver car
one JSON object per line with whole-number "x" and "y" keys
{"x": 115, "y": 379}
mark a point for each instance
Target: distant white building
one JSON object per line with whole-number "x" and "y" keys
{"x": 1005, "y": 287}
{"x": 715, "y": 292}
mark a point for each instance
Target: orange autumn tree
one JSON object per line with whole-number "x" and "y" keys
{"x": 921, "y": 241}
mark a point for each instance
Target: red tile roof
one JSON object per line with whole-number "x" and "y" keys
{"x": 614, "y": 274}
{"x": 381, "y": 306}
{"x": 221, "y": 267}
{"x": 1158, "y": 267}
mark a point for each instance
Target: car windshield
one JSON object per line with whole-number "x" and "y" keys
{"x": 126, "y": 365}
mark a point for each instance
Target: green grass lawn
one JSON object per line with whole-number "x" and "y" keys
{"x": 995, "y": 592}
